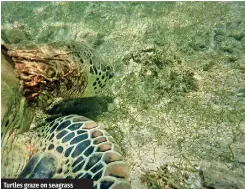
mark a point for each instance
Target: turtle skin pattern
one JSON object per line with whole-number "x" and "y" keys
{"x": 71, "y": 147}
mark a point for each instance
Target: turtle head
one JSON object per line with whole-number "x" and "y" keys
{"x": 66, "y": 70}
{"x": 97, "y": 77}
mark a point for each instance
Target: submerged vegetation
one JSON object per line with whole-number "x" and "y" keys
{"x": 178, "y": 106}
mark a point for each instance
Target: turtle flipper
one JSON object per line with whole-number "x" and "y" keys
{"x": 40, "y": 166}
{"x": 74, "y": 147}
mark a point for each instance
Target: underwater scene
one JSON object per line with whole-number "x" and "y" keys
{"x": 135, "y": 95}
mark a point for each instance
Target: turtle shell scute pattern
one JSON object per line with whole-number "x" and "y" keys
{"x": 86, "y": 151}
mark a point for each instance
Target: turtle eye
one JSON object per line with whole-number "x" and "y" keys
{"x": 108, "y": 68}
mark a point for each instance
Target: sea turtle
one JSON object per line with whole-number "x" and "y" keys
{"x": 70, "y": 146}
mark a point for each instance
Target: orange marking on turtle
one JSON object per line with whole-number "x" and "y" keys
{"x": 90, "y": 125}
{"x": 100, "y": 140}
{"x": 118, "y": 170}
{"x": 30, "y": 148}
{"x": 105, "y": 147}
{"x": 111, "y": 157}
{"x": 96, "y": 134}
